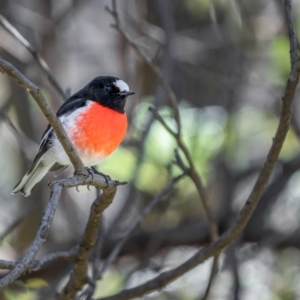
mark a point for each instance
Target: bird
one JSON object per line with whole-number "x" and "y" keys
{"x": 95, "y": 121}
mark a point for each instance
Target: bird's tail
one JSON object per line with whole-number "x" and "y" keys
{"x": 38, "y": 170}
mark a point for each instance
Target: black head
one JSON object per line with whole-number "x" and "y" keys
{"x": 108, "y": 91}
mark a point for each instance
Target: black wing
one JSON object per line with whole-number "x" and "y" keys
{"x": 70, "y": 105}
{"x": 67, "y": 108}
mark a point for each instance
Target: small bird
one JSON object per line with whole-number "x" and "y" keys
{"x": 95, "y": 121}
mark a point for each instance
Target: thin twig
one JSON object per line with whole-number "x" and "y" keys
{"x": 96, "y": 259}
{"x": 191, "y": 172}
{"x": 40, "y": 237}
{"x": 213, "y": 272}
{"x": 7, "y": 264}
{"x": 291, "y": 31}
{"x": 17, "y": 76}
{"x": 38, "y": 264}
{"x": 235, "y": 231}
{"x": 66, "y": 255}
{"x": 37, "y": 56}
{"x": 170, "y": 94}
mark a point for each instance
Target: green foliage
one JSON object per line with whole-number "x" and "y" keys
{"x": 250, "y": 136}
{"x": 279, "y": 53}
{"x": 12, "y": 295}
{"x": 28, "y": 288}
{"x": 36, "y": 283}
{"x": 111, "y": 283}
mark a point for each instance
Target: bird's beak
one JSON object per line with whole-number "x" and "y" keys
{"x": 124, "y": 93}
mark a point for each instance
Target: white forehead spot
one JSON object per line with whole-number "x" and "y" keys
{"x": 122, "y": 85}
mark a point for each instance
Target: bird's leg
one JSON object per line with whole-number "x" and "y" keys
{"x": 91, "y": 171}
{"x": 106, "y": 177}
{"x": 77, "y": 188}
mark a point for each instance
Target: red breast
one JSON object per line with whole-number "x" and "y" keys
{"x": 99, "y": 130}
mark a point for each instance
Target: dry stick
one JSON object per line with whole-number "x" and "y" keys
{"x": 213, "y": 272}
{"x": 96, "y": 257}
{"x": 69, "y": 255}
{"x": 291, "y": 30}
{"x": 7, "y": 265}
{"x": 38, "y": 264}
{"x": 41, "y": 62}
{"x": 235, "y": 231}
{"x": 13, "y": 73}
{"x": 40, "y": 237}
{"x": 79, "y": 275}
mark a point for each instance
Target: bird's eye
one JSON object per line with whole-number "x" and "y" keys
{"x": 108, "y": 88}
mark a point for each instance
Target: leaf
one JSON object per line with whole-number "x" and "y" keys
{"x": 36, "y": 283}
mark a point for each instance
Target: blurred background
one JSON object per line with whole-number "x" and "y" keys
{"x": 228, "y": 62}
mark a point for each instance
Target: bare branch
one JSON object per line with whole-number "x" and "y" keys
{"x": 234, "y": 232}
{"x": 40, "y": 237}
{"x": 7, "y": 265}
{"x": 213, "y": 272}
{"x": 13, "y": 73}
{"x": 79, "y": 275}
{"x": 38, "y": 264}
{"x": 291, "y": 31}
{"x": 97, "y": 180}
{"x": 41, "y": 62}
{"x": 66, "y": 255}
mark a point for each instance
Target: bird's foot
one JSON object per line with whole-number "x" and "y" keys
{"x": 86, "y": 173}
{"x": 106, "y": 177}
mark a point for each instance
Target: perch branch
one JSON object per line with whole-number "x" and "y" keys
{"x": 27, "y": 262}
{"x": 79, "y": 275}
